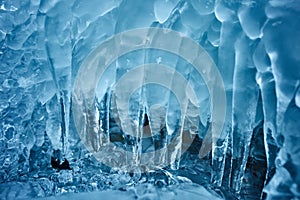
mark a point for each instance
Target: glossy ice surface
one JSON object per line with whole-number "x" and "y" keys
{"x": 255, "y": 46}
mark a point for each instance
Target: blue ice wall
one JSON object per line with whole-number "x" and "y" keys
{"x": 254, "y": 44}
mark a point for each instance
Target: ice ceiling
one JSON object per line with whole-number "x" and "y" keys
{"x": 255, "y": 46}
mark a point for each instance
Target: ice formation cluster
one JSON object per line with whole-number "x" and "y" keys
{"x": 255, "y": 46}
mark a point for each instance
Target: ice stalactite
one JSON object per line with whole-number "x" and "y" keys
{"x": 245, "y": 89}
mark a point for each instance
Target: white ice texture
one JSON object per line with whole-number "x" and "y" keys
{"x": 255, "y": 45}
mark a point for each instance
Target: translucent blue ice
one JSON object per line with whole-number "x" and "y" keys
{"x": 254, "y": 44}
